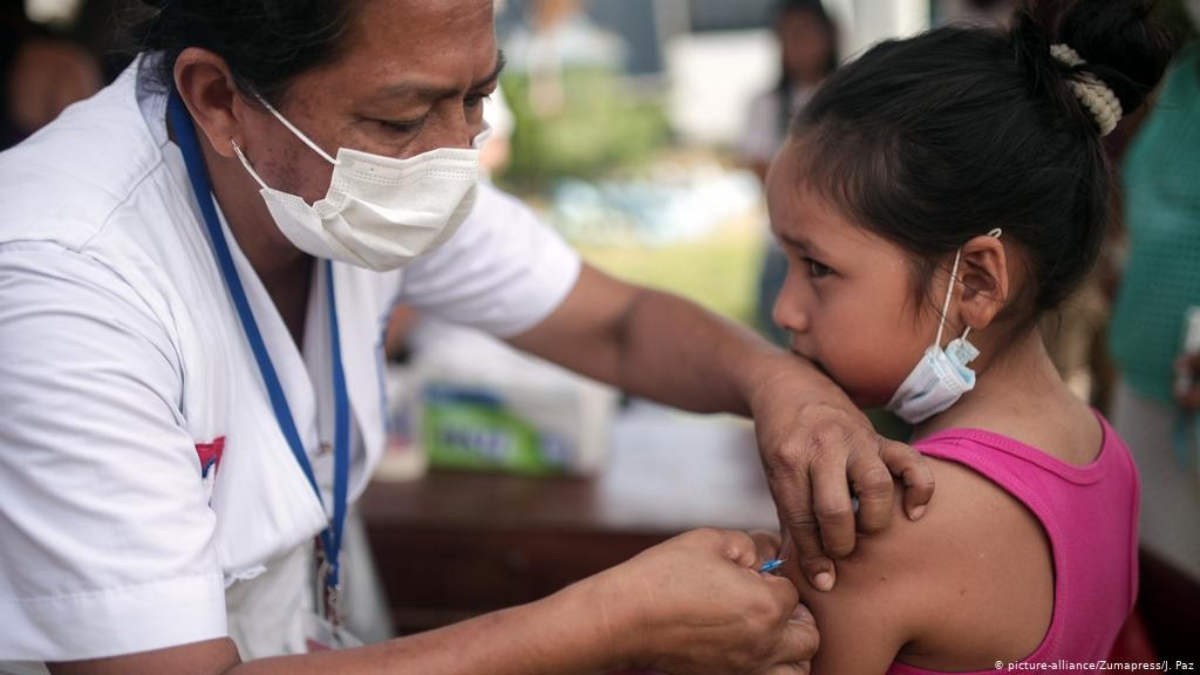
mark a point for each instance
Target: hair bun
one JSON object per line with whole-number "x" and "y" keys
{"x": 1093, "y": 93}
{"x": 1118, "y": 44}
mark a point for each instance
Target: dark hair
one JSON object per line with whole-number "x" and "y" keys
{"x": 937, "y": 139}
{"x": 266, "y": 43}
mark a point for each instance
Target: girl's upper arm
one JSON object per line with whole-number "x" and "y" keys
{"x": 889, "y": 592}
{"x": 968, "y": 584}
{"x": 876, "y": 608}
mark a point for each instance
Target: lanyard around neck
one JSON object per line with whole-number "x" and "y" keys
{"x": 331, "y": 537}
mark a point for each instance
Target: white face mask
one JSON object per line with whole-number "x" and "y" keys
{"x": 379, "y": 212}
{"x": 941, "y": 377}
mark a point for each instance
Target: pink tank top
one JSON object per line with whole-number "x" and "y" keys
{"x": 1090, "y": 516}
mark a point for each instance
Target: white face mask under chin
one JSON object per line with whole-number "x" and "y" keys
{"x": 379, "y": 212}
{"x": 942, "y": 376}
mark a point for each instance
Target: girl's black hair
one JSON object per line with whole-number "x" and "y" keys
{"x": 937, "y": 139}
{"x": 266, "y": 43}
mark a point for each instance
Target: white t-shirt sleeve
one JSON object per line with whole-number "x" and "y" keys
{"x": 504, "y": 271}
{"x": 106, "y": 530}
{"x": 761, "y": 136}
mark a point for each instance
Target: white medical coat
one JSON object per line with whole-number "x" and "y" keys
{"x": 122, "y": 362}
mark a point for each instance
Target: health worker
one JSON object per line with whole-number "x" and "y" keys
{"x": 195, "y": 268}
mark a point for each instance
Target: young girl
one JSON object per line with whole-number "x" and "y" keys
{"x": 808, "y": 41}
{"x": 935, "y": 198}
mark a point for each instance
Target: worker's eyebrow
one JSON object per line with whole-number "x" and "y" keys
{"x": 501, "y": 64}
{"x": 427, "y": 93}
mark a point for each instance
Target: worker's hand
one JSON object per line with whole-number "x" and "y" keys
{"x": 697, "y": 604}
{"x": 1188, "y": 370}
{"x": 819, "y": 451}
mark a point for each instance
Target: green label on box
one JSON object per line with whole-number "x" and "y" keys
{"x": 473, "y": 429}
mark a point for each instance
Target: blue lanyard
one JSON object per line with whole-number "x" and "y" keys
{"x": 331, "y": 537}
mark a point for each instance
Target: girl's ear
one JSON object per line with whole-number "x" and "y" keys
{"x": 985, "y": 279}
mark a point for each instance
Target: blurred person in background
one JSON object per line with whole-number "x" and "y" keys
{"x": 1157, "y": 396}
{"x": 559, "y": 34}
{"x": 808, "y": 41}
{"x": 988, "y": 11}
{"x": 42, "y": 74}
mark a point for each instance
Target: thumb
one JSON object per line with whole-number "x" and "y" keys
{"x": 739, "y": 548}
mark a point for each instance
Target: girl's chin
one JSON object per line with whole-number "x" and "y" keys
{"x": 866, "y": 400}
{"x": 861, "y": 396}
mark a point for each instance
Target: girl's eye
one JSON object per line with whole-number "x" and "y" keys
{"x": 816, "y": 270}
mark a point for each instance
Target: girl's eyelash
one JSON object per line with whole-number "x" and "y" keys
{"x": 817, "y": 270}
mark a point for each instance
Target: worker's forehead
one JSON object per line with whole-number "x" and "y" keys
{"x": 419, "y": 30}
{"x": 407, "y": 51}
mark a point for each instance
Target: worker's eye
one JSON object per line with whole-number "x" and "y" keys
{"x": 476, "y": 100}
{"x": 400, "y": 127}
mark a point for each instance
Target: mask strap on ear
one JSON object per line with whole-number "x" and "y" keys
{"x": 949, "y": 294}
{"x": 996, "y": 233}
{"x": 246, "y": 163}
{"x": 292, "y": 128}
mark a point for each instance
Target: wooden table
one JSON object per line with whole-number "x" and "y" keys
{"x": 453, "y": 545}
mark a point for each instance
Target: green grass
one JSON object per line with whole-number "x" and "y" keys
{"x": 720, "y": 271}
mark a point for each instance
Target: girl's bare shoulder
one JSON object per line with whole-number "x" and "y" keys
{"x": 969, "y": 584}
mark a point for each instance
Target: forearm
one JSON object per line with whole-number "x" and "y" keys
{"x": 560, "y": 634}
{"x": 564, "y": 633}
{"x": 665, "y": 348}
{"x": 673, "y": 351}
{"x": 689, "y": 605}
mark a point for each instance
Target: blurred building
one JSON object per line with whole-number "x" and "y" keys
{"x": 710, "y": 57}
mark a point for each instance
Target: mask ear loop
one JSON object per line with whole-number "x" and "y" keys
{"x": 994, "y": 234}
{"x": 292, "y": 128}
{"x": 949, "y": 294}
{"x": 246, "y": 163}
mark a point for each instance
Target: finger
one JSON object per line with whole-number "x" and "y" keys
{"x": 833, "y": 506}
{"x": 913, "y": 469}
{"x": 784, "y": 593}
{"x": 767, "y": 545}
{"x": 799, "y": 641}
{"x": 873, "y": 486}
{"x": 788, "y": 669}
{"x": 793, "y": 495}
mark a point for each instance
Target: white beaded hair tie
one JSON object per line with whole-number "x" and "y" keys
{"x": 1096, "y": 96}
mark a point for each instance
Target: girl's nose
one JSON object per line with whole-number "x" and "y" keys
{"x": 788, "y": 312}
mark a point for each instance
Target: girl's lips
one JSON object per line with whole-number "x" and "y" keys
{"x": 819, "y": 366}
